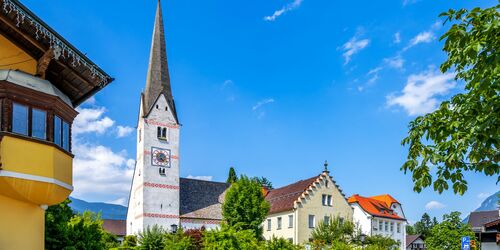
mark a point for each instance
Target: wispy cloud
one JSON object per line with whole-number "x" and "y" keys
{"x": 396, "y": 62}
{"x": 203, "y": 178}
{"x": 408, "y": 2}
{"x": 352, "y": 47}
{"x": 419, "y": 96}
{"x": 433, "y": 205}
{"x": 123, "y": 131}
{"x": 422, "y": 37}
{"x": 226, "y": 84}
{"x": 291, "y": 6}
{"x": 397, "y": 37}
{"x": 262, "y": 103}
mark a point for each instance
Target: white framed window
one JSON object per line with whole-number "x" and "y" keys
{"x": 279, "y": 220}
{"x": 392, "y": 226}
{"x": 380, "y": 225}
{"x": 329, "y": 200}
{"x": 398, "y": 228}
{"x": 290, "y": 221}
{"x": 323, "y": 199}
{"x": 312, "y": 222}
{"x": 387, "y": 226}
{"x": 268, "y": 224}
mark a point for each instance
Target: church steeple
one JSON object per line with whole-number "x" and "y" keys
{"x": 158, "y": 78}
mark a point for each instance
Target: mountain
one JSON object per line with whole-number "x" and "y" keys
{"x": 108, "y": 211}
{"x": 491, "y": 203}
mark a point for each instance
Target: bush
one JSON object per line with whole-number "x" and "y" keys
{"x": 129, "y": 241}
{"x": 335, "y": 230}
{"x": 280, "y": 244}
{"x": 152, "y": 238}
{"x": 377, "y": 242}
{"x": 196, "y": 236}
{"x": 178, "y": 241}
{"x": 229, "y": 238}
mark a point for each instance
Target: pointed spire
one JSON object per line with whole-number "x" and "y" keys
{"x": 158, "y": 78}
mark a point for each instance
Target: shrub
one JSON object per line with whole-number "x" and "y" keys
{"x": 280, "y": 244}
{"x": 152, "y": 239}
{"x": 229, "y": 238}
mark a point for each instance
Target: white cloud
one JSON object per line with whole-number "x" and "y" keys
{"x": 123, "y": 131}
{"x": 99, "y": 171}
{"x": 90, "y": 120}
{"x": 262, "y": 103}
{"x": 419, "y": 94}
{"x": 226, "y": 84}
{"x": 431, "y": 205}
{"x": 203, "y": 178}
{"x": 397, "y": 37}
{"x": 291, "y": 6}
{"x": 396, "y": 62}
{"x": 408, "y": 2}
{"x": 422, "y": 37}
{"x": 352, "y": 47}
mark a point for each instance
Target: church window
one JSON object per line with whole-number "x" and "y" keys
{"x": 156, "y": 106}
{"x": 164, "y": 133}
{"x": 158, "y": 133}
{"x": 290, "y": 221}
{"x": 279, "y": 223}
{"x": 268, "y": 224}
{"x": 166, "y": 108}
{"x": 162, "y": 171}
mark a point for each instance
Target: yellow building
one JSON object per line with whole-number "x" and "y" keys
{"x": 296, "y": 209}
{"x": 42, "y": 79}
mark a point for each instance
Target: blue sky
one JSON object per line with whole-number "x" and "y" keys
{"x": 271, "y": 87}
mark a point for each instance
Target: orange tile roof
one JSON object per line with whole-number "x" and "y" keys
{"x": 378, "y": 206}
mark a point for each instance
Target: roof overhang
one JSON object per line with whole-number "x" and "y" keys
{"x": 73, "y": 73}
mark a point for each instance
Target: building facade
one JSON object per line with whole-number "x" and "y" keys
{"x": 296, "y": 209}
{"x": 380, "y": 215}
{"x": 486, "y": 227}
{"x": 158, "y": 195}
{"x": 40, "y": 86}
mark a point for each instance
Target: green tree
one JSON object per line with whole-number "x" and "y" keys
{"x": 448, "y": 233}
{"x": 129, "y": 241}
{"x": 231, "y": 177}
{"x": 56, "y": 225}
{"x": 335, "y": 230}
{"x": 244, "y": 206}
{"x": 424, "y": 226}
{"x": 230, "y": 238}
{"x": 85, "y": 232}
{"x": 264, "y": 182}
{"x": 463, "y": 134}
{"x": 152, "y": 238}
{"x": 410, "y": 230}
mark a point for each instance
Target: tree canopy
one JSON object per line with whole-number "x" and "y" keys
{"x": 244, "y": 206}
{"x": 231, "y": 177}
{"x": 448, "y": 233}
{"x": 463, "y": 134}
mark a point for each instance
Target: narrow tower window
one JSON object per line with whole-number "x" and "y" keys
{"x": 158, "y": 134}
{"x": 164, "y": 133}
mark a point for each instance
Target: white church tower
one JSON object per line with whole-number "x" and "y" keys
{"x": 154, "y": 196}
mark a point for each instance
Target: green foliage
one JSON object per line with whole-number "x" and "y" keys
{"x": 152, "y": 238}
{"x": 410, "y": 230}
{"x": 231, "y": 177}
{"x": 67, "y": 231}
{"x": 85, "y": 232}
{"x": 244, "y": 206}
{"x": 129, "y": 241}
{"x": 335, "y": 230}
{"x": 178, "y": 241}
{"x": 56, "y": 225}
{"x": 229, "y": 238}
{"x": 424, "y": 226}
{"x": 264, "y": 182}
{"x": 463, "y": 133}
{"x": 448, "y": 234}
{"x": 380, "y": 242}
{"x": 280, "y": 244}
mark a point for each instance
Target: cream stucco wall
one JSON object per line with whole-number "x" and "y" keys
{"x": 310, "y": 204}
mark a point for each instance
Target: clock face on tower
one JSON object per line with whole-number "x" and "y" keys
{"x": 160, "y": 157}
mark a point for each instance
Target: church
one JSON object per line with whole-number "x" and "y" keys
{"x": 158, "y": 195}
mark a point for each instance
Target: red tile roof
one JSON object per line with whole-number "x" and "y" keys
{"x": 379, "y": 206}
{"x": 283, "y": 199}
{"x": 115, "y": 227}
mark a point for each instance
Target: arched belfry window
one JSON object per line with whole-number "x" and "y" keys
{"x": 164, "y": 133}
{"x": 158, "y": 134}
